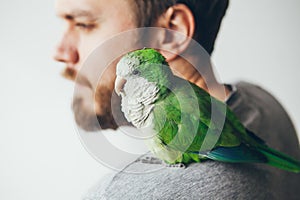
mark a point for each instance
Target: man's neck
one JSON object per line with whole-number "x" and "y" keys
{"x": 207, "y": 81}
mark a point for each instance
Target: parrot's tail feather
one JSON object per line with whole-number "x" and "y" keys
{"x": 280, "y": 160}
{"x": 239, "y": 154}
{"x": 255, "y": 137}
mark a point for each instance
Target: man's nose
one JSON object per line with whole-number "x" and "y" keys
{"x": 66, "y": 51}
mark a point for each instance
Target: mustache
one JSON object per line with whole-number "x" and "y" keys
{"x": 69, "y": 73}
{"x": 73, "y": 75}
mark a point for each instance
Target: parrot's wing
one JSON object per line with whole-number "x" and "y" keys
{"x": 233, "y": 130}
{"x": 198, "y": 104}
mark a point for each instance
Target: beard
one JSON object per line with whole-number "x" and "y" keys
{"x": 99, "y": 110}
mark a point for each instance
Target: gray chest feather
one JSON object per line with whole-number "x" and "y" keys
{"x": 138, "y": 99}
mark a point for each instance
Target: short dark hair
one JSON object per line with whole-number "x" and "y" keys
{"x": 208, "y": 16}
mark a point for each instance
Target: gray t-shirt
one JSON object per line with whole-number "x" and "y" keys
{"x": 260, "y": 113}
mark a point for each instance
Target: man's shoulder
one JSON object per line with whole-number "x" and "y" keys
{"x": 263, "y": 114}
{"x": 251, "y": 103}
{"x": 248, "y": 93}
{"x": 252, "y": 95}
{"x": 197, "y": 181}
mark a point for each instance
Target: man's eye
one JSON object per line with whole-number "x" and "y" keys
{"x": 84, "y": 26}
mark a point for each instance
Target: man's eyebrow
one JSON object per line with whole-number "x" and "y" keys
{"x": 78, "y": 14}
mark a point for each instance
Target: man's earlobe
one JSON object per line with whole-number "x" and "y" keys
{"x": 180, "y": 27}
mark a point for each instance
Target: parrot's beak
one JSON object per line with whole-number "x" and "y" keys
{"x": 119, "y": 85}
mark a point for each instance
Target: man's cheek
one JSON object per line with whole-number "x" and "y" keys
{"x": 90, "y": 41}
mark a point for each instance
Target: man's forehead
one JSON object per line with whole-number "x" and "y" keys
{"x": 78, "y": 8}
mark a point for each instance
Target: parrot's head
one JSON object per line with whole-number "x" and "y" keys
{"x": 144, "y": 64}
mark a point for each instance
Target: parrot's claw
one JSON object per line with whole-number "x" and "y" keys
{"x": 177, "y": 165}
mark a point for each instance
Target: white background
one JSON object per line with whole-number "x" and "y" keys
{"x": 41, "y": 156}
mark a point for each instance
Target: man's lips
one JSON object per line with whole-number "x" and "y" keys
{"x": 72, "y": 74}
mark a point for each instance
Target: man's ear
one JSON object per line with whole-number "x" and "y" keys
{"x": 178, "y": 18}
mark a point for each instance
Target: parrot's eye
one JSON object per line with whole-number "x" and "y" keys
{"x": 135, "y": 72}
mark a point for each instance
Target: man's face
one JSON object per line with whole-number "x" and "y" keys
{"x": 88, "y": 24}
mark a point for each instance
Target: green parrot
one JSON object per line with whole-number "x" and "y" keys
{"x": 184, "y": 123}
